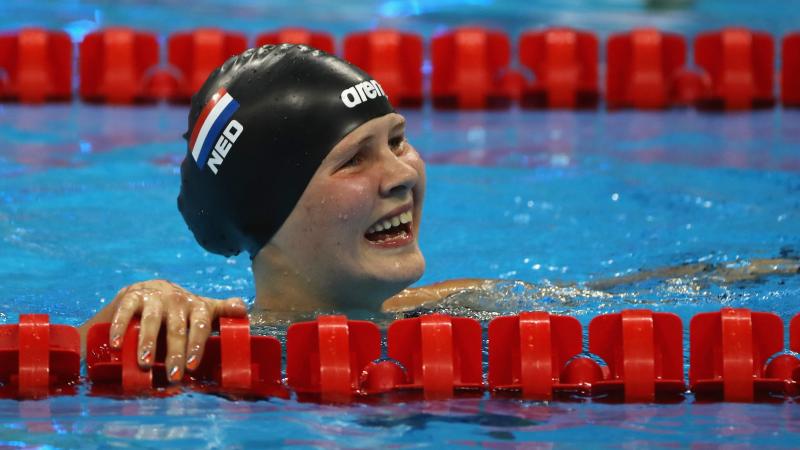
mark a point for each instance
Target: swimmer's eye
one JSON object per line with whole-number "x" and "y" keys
{"x": 357, "y": 159}
{"x": 397, "y": 143}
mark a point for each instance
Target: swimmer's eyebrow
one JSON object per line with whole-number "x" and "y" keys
{"x": 400, "y": 124}
{"x": 366, "y": 139}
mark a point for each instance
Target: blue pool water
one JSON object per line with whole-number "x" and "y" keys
{"x": 87, "y": 205}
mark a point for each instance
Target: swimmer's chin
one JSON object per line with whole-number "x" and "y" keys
{"x": 375, "y": 292}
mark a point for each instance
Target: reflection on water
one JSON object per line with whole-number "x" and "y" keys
{"x": 208, "y": 422}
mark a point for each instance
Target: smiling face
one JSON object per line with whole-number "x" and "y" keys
{"x": 351, "y": 240}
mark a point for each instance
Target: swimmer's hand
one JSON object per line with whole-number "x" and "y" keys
{"x": 188, "y": 318}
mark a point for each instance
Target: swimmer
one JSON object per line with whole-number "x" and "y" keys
{"x": 297, "y": 158}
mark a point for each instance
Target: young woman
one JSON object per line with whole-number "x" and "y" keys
{"x": 298, "y": 158}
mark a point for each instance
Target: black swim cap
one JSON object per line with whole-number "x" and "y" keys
{"x": 258, "y": 130}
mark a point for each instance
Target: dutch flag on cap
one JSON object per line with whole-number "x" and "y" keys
{"x": 209, "y": 125}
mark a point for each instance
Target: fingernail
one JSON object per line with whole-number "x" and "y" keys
{"x": 173, "y": 374}
{"x": 115, "y": 341}
{"x": 145, "y": 355}
{"x": 191, "y": 362}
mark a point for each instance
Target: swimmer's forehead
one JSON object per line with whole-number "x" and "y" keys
{"x": 370, "y": 130}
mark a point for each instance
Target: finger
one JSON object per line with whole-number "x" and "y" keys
{"x": 128, "y": 306}
{"x": 152, "y": 316}
{"x": 232, "y": 307}
{"x": 176, "y": 343}
{"x": 199, "y": 330}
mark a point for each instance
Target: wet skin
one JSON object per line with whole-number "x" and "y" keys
{"x": 326, "y": 256}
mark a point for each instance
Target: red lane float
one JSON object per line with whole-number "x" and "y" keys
{"x": 735, "y": 355}
{"x": 394, "y": 58}
{"x": 641, "y": 67}
{"x": 295, "y": 35}
{"x": 529, "y": 353}
{"x": 469, "y": 66}
{"x": 37, "y": 64}
{"x": 195, "y": 54}
{"x": 116, "y": 371}
{"x": 729, "y": 354}
{"x": 441, "y": 354}
{"x": 38, "y": 359}
{"x": 794, "y": 345}
{"x": 233, "y": 362}
{"x": 114, "y": 64}
{"x": 644, "y": 353}
{"x": 565, "y": 64}
{"x": 790, "y": 70}
{"x": 327, "y": 356}
{"x": 740, "y": 65}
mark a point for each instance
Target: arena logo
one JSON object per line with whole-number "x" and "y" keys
{"x": 215, "y": 120}
{"x": 366, "y": 90}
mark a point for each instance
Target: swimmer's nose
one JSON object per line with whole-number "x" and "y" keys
{"x": 398, "y": 176}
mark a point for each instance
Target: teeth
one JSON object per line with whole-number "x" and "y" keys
{"x": 395, "y": 221}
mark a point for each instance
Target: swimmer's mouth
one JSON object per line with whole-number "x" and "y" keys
{"x": 394, "y": 230}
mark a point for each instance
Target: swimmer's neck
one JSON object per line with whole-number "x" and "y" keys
{"x": 283, "y": 294}
{"x": 286, "y": 293}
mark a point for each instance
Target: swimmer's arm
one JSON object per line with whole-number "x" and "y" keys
{"x": 721, "y": 273}
{"x": 413, "y": 298}
{"x": 660, "y": 272}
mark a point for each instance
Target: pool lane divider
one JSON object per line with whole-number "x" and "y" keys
{"x": 116, "y": 67}
{"x": 564, "y": 61}
{"x": 641, "y": 70}
{"x": 635, "y": 356}
{"x": 471, "y": 67}
{"x": 391, "y": 56}
{"x": 234, "y": 363}
{"x": 37, "y": 65}
{"x": 644, "y": 354}
{"x": 790, "y": 70}
{"x": 326, "y": 357}
{"x": 730, "y": 356}
{"x": 441, "y": 354}
{"x": 529, "y": 354}
{"x": 38, "y": 359}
